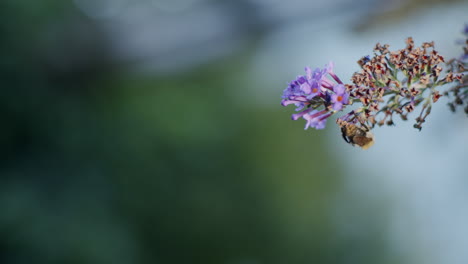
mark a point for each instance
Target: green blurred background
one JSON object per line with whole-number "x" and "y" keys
{"x": 108, "y": 160}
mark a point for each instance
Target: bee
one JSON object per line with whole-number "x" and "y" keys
{"x": 357, "y": 135}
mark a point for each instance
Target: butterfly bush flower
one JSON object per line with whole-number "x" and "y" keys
{"x": 316, "y": 96}
{"x": 389, "y": 84}
{"x": 340, "y": 97}
{"x": 315, "y": 119}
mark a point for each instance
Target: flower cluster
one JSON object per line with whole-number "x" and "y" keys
{"x": 389, "y": 84}
{"x": 396, "y": 82}
{"x": 459, "y": 92}
{"x": 316, "y": 96}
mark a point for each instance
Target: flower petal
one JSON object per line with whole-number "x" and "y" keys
{"x": 339, "y": 89}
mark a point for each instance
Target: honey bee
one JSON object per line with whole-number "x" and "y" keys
{"x": 357, "y": 135}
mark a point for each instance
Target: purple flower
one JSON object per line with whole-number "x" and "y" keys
{"x": 340, "y": 97}
{"x": 301, "y": 114}
{"x": 329, "y": 67}
{"x": 293, "y": 89}
{"x": 316, "y": 119}
{"x": 318, "y": 78}
{"x": 304, "y": 85}
{"x": 317, "y": 75}
{"x": 303, "y": 89}
{"x": 314, "y": 91}
{"x": 306, "y": 88}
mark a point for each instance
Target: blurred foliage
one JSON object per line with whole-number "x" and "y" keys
{"x": 102, "y": 165}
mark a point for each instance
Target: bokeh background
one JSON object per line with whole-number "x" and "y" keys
{"x": 150, "y": 131}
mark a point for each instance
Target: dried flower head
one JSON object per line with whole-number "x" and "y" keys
{"x": 458, "y": 71}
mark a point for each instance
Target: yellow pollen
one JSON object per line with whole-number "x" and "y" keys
{"x": 339, "y": 98}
